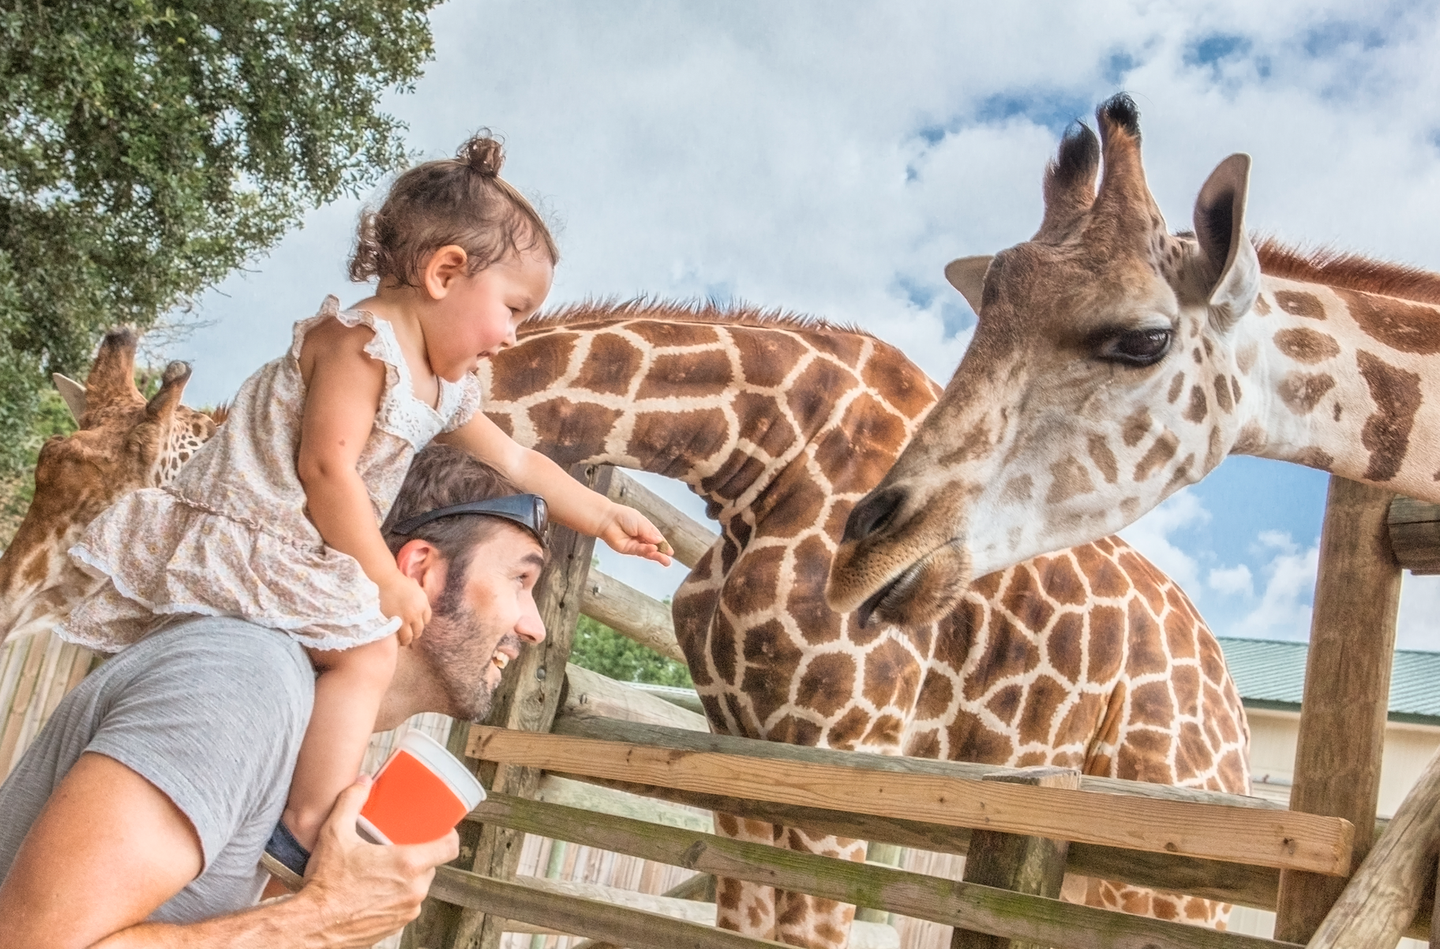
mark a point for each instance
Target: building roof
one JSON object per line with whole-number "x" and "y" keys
{"x": 1271, "y": 674}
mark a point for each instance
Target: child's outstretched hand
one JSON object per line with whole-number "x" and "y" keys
{"x": 627, "y": 531}
{"x": 402, "y": 597}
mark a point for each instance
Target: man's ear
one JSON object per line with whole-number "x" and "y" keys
{"x": 442, "y": 269}
{"x": 422, "y": 562}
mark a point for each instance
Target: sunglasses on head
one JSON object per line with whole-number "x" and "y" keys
{"x": 527, "y": 510}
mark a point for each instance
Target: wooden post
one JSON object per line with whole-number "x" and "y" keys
{"x": 526, "y": 700}
{"x": 1347, "y": 690}
{"x": 1385, "y": 894}
{"x": 1032, "y": 865}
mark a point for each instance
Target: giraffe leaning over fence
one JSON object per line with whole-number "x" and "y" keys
{"x": 124, "y": 442}
{"x": 1089, "y": 659}
{"x": 1114, "y": 363}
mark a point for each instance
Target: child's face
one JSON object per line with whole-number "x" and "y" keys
{"x": 481, "y": 311}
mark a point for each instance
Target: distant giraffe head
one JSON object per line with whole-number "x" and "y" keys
{"x": 124, "y": 442}
{"x": 1114, "y": 363}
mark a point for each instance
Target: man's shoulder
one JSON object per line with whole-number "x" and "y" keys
{"x": 217, "y": 656}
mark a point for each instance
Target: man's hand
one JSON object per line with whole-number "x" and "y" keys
{"x": 362, "y": 892}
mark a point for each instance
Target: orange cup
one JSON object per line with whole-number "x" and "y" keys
{"x": 420, "y": 793}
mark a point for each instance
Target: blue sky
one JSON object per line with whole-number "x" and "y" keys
{"x": 831, "y": 157}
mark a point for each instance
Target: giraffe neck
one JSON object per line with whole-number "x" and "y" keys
{"x": 735, "y": 410}
{"x": 1341, "y": 381}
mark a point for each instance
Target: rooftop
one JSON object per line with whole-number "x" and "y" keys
{"x": 1271, "y": 674}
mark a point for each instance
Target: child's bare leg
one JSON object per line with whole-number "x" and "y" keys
{"x": 348, "y": 692}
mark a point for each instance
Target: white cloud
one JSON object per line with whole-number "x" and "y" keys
{"x": 1419, "y": 624}
{"x": 1232, "y": 580}
{"x": 1284, "y": 608}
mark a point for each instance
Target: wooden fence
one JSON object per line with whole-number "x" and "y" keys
{"x": 598, "y": 823}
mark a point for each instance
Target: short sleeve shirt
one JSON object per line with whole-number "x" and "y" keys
{"x": 210, "y": 711}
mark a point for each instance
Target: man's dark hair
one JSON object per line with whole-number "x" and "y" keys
{"x": 441, "y": 476}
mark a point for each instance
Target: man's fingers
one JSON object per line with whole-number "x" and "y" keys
{"x": 435, "y": 852}
{"x": 348, "y": 804}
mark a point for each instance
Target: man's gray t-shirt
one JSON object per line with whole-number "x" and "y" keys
{"x": 211, "y": 711}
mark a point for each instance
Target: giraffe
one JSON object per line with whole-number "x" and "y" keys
{"x": 124, "y": 442}
{"x": 1090, "y": 658}
{"x": 1114, "y": 363}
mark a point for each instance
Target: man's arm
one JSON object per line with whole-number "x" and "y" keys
{"x": 110, "y": 848}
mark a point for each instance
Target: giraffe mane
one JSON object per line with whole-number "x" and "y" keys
{"x": 1335, "y": 268}
{"x": 588, "y": 312}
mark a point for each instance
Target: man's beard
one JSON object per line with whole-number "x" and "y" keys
{"x": 453, "y": 641}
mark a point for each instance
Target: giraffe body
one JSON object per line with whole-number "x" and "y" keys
{"x": 1114, "y": 363}
{"x": 124, "y": 442}
{"x": 1089, "y": 658}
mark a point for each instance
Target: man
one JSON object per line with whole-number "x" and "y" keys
{"x": 139, "y": 815}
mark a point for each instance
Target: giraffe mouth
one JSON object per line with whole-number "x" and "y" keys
{"x": 877, "y": 600}
{"x": 923, "y": 591}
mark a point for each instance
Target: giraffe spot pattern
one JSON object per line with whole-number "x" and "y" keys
{"x": 1177, "y": 386}
{"x": 1306, "y": 345}
{"x": 1100, "y": 453}
{"x": 1223, "y": 396}
{"x": 1068, "y": 479}
{"x": 1313, "y": 457}
{"x": 1302, "y": 391}
{"x": 687, "y": 374}
{"x": 1019, "y": 488}
{"x": 1300, "y": 303}
{"x": 535, "y": 369}
{"x": 1137, "y": 425}
{"x": 1198, "y": 408}
{"x": 609, "y": 367}
{"x": 1386, "y": 433}
{"x": 1262, "y": 305}
{"x": 1161, "y": 451}
{"x": 1401, "y": 325}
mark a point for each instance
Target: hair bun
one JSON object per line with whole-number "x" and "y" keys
{"x": 483, "y": 153}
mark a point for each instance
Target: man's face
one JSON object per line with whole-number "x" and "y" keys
{"x": 478, "y": 624}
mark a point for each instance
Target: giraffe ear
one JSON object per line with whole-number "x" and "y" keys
{"x": 72, "y": 392}
{"x": 968, "y": 276}
{"x": 1228, "y": 262}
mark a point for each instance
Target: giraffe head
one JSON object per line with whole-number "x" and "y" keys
{"x": 1100, "y": 380}
{"x": 124, "y": 442}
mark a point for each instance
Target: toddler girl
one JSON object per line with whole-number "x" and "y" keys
{"x": 275, "y": 520}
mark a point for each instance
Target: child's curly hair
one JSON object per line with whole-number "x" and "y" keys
{"x": 462, "y": 201}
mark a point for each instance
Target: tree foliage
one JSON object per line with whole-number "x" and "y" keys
{"x": 148, "y": 149}
{"x": 600, "y": 649}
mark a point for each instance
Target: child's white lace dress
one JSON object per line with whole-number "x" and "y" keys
{"x": 230, "y": 537}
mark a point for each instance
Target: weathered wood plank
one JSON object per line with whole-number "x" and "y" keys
{"x": 1384, "y": 895}
{"x": 635, "y": 928}
{"x": 1415, "y": 534}
{"x": 949, "y": 902}
{"x": 681, "y": 740}
{"x": 632, "y": 614}
{"x": 603, "y": 800}
{"x": 1033, "y": 865}
{"x": 688, "y": 536}
{"x": 864, "y": 936}
{"x": 1347, "y": 689}
{"x": 526, "y": 701}
{"x": 592, "y": 695}
{"x": 1236, "y": 834}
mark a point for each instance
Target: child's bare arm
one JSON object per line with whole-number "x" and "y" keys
{"x": 570, "y": 502}
{"x": 342, "y": 395}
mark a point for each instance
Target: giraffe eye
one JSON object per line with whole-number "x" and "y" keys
{"x": 1137, "y": 347}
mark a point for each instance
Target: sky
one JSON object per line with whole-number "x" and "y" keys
{"x": 830, "y": 157}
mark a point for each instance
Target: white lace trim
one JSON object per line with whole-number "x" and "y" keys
{"x": 290, "y": 625}
{"x": 401, "y": 413}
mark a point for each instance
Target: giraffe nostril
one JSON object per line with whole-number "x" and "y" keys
{"x": 873, "y": 514}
